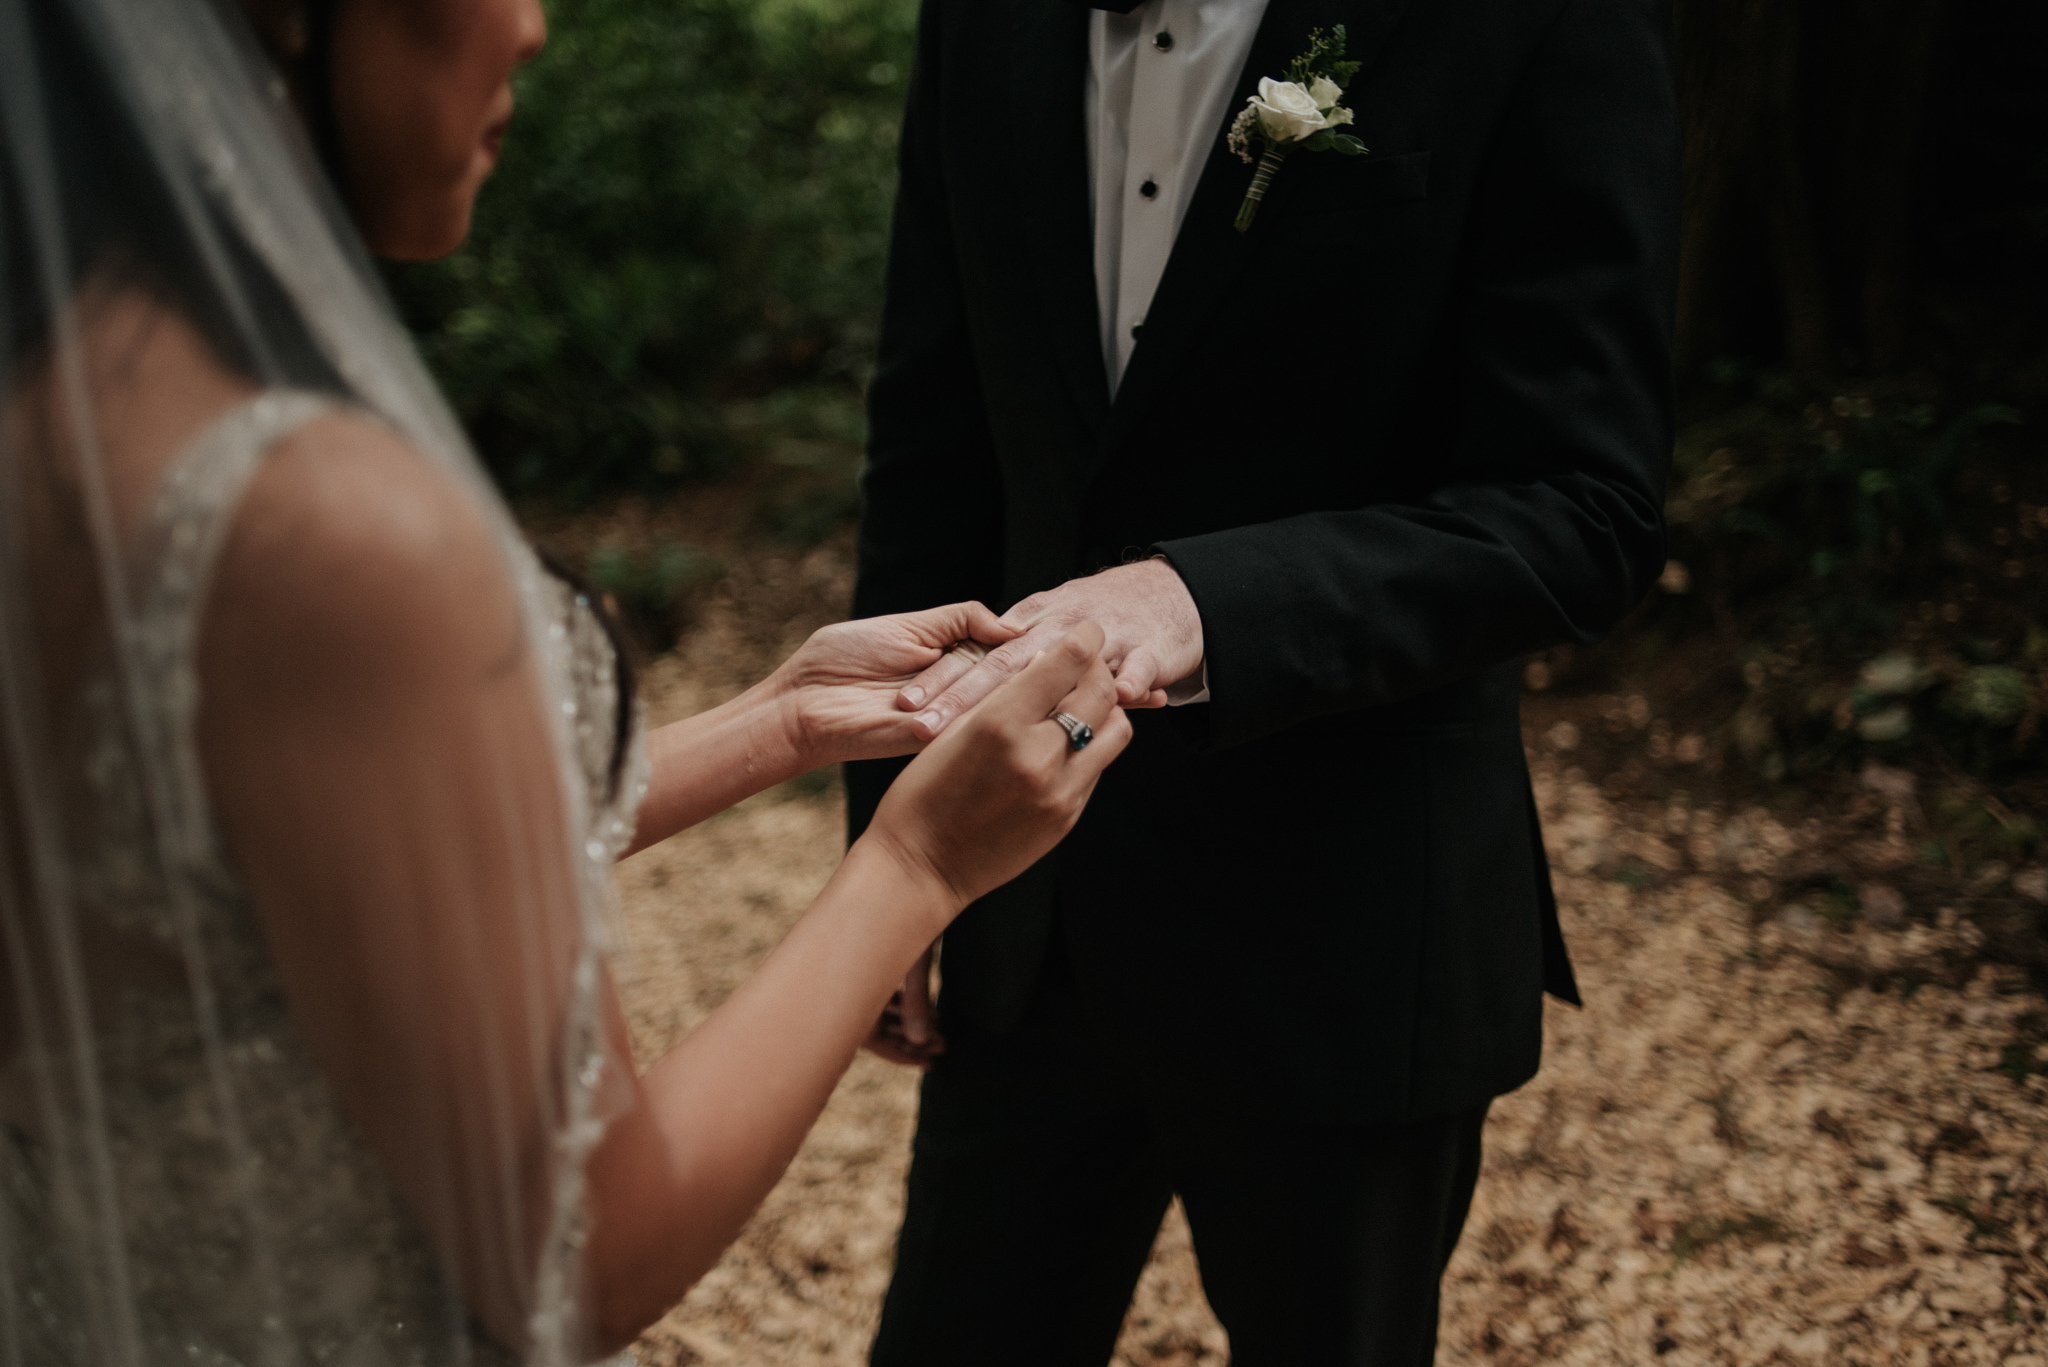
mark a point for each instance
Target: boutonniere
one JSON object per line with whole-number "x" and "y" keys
{"x": 1300, "y": 111}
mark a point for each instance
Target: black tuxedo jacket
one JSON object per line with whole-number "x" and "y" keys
{"x": 1411, "y": 426}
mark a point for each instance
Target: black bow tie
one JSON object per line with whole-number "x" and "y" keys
{"x": 1113, "y": 6}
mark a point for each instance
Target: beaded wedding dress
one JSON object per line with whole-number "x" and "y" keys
{"x": 345, "y": 1278}
{"x": 178, "y": 1180}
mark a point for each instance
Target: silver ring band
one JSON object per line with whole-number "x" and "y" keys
{"x": 1079, "y": 732}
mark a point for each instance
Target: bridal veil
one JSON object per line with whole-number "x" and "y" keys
{"x": 179, "y": 1181}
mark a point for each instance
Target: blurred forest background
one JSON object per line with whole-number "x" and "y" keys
{"x": 672, "y": 292}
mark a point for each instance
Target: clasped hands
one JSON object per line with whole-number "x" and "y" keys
{"x": 1152, "y": 639}
{"x": 892, "y": 685}
{"x": 887, "y": 686}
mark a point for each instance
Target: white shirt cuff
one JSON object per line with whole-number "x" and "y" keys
{"x": 1194, "y": 688}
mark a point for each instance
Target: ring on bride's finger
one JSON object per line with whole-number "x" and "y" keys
{"x": 974, "y": 652}
{"x": 1079, "y": 732}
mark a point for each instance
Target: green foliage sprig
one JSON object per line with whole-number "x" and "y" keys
{"x": 1325, "y": 57}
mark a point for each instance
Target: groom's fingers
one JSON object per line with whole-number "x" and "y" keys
{"x": 1094, "y": 701}
{"x": 1137, "y": 677}
{"x": 965, "y": 687}
{"x": 1070, "y": 664}
{"x": 949, "y": 669}
{"x": 968, "y": 629}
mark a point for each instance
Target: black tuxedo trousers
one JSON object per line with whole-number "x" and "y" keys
{"x": 1411, "y": 426}
{"x": 1043, "y": 1167}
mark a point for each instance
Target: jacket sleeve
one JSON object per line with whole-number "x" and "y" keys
{"x": 1560, "y": 337}
{"x": 932, "y": 495}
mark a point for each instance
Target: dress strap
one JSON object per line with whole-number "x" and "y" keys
{"x": 195, "y": 509}
{"x": 203, "y": 486}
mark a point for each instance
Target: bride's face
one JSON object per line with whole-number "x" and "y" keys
{"x": 422, "y": 96}
{"x": 422, "y": 93}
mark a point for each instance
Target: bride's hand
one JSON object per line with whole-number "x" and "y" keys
{"x": 833, "y": 700}
{"x": 1002, "y": 785}
{"x": 838, "y": 691}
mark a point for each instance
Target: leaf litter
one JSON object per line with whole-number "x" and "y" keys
{"x": 1778, "y": 1133}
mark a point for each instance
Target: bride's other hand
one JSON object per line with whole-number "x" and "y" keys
{"x": 1003, "y": 784}
{"x": 838, "y": 691}
{"x": 907, "y": 1031}
{"x": 834, "y": 700}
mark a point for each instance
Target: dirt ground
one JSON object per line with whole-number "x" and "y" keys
{"x": 1776, "y": 1134}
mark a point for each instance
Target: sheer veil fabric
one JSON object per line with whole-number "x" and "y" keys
{"x": 181, "y": 1180}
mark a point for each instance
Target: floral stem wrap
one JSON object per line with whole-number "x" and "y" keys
{"x": 1261, "y": 178}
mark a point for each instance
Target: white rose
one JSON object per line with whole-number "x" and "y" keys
{"x": 1325, "y": 92}
{"x": 1287, "y": 112}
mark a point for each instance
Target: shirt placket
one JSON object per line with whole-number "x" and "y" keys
{"x": 1152, "y": 160}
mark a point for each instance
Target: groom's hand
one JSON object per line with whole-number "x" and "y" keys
{"x": 1152, "y": 640}
{"x": 908, "y": 1031}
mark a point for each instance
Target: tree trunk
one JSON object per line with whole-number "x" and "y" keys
{"x": 1873, "y": 105}
{"x": 1800, "y": 119}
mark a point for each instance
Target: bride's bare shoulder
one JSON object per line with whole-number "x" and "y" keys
{"x": 356, "y": 561}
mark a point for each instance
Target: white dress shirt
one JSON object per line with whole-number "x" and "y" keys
{"x": 1159, "y": 85}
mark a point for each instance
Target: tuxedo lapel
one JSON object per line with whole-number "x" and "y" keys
{"x": 1049, "y": 72}
{"x": 1209, "y": 253}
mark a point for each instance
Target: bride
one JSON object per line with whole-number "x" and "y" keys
{"x": 310, "y": 774}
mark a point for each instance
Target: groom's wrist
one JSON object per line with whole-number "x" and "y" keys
{"x": 1192, "y": 685}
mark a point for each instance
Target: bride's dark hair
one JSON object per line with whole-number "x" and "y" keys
{"x": 122, "y": 227}
{"x": 322, "y": 124}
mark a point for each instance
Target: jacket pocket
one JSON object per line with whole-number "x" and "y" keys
{"x": 1345, "y": 184}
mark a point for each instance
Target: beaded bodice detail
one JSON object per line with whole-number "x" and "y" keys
{"x": 258, "y": 1228}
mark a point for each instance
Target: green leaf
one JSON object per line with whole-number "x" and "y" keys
{"x": 1324, "y": 58}
{"x": 1337, "y": 68}
{"x": 1348, "y": 145}
{"x": 1317, "y": 142}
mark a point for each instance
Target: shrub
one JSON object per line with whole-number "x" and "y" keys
{"x": 1872, "y": 563}
{"x": 693, "y": 202}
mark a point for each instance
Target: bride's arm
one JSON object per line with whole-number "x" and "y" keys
{"x": 833, "y": 700}
{"x": 373, "y": 743}
{"x": 722, "y": 1114}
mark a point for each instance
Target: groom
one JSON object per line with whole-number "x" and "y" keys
{"x": 1321, "y": 482}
